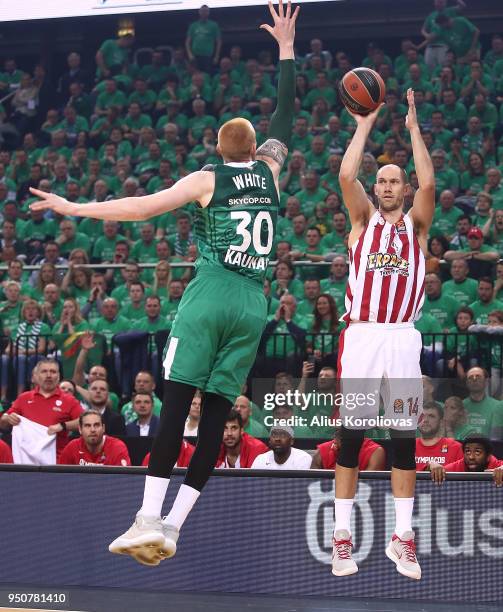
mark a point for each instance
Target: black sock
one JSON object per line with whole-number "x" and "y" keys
{"x": 168, "y": 441}
{"x": 215, "y": 409}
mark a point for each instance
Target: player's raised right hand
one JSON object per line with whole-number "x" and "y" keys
{"x": 284, "y": 23}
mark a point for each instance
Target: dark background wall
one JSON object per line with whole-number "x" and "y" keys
{"x": 347, "y": 25}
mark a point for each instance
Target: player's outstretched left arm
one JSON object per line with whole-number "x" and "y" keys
{"x": 424, "y": 200}
{"x": 196, "y": 187}
{"x": 275, "y": 150}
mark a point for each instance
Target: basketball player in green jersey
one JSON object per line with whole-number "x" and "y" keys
{"x": 222, "y": 314}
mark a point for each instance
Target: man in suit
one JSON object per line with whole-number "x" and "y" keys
{"x": 145, "y": 423}
{"x": 98, "y": 398}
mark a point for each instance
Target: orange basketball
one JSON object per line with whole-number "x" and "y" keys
{"x": 362, "y": 90}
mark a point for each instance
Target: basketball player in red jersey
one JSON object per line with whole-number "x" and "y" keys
{"x": 380, "y": 346}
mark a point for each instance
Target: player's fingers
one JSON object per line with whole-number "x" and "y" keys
{"x": 295, "y": 14}
{"x": 281, "y": 9}
{"x": 288, "y": 9}
{"x": 37, "y": 192}
{"x": 272, "y": 10}
{"x": 266, "y": 27}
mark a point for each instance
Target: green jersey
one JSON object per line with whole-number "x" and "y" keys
{"x": 236, "y": 230}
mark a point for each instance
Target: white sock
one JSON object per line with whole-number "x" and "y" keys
{"x": 185, "y": 500}
{"x": 403, "y": 514}
{"x": 343, "y": 508}
{"x": 153, "y": 495}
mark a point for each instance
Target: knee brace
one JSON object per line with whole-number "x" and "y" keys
{"x": 351, "y": 443}
{"x": 404, "y": 450}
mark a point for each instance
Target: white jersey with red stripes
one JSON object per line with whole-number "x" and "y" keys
{"x": 386, "y": 273}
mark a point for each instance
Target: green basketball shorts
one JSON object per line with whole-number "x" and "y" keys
{"x": 216, "y": 333}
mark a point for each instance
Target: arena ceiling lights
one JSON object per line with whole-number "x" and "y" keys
{"x": 22, "y": 10}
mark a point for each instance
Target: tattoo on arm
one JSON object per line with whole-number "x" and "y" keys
{"x": 274, "y": 149}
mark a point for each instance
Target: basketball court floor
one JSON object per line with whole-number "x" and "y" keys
{"x": 118, "y": 600}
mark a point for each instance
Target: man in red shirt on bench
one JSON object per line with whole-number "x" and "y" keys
{"x": 477, "y": 457}
{"x": 94, "y": 447}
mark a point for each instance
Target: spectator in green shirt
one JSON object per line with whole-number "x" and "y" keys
{"x": 301, "y": 138}
{"x": 134, "y": 121}
{"x": 486, "y": 302}
{"x": 66, "y": 334}
{"x": 199, "y": 121}
{"x": 317, "y": 157}
{"x": 473, "y": 179}
{"x": 153, "y": 321}
{"x": 454, "y": 112}
{"x": 311, "y": 193}
{"x": 135, "y": 309}
{"x": 144, "y": 382}
{"x": 110, "y": 97}
{"x": 494, "y": 187}
{"x": 459, "y": 34}
{"x": 484, "y": 413}
{"x": 476, "y": 82}
{"x": 110, "y": 322}
{"x": 462, "y": 288}
{"x": 70, "y": 239}
{"x": 112, "y": 56}
{"x": 104, "y": 246}
{"x": 10, "y": 309}
{"x": 28, "y": 342}
{"x": 442, "y": 306}
{"x": 145, "y": 97}
{"x": 204, "y": 41}
{"x": 446, "y": 215}
{"x": 485, "y": 111}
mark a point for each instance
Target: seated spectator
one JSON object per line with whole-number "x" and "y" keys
{"x": 284, "y": 335}
{"x": 460, "y": 287}
{"x": 110, "y": 322}
{"x": 461, "y": 348}
{"x": 431, "y": 445}
{"x": 477, "y": 457}
{"x": 76, "y": 284}
{"x": 5, "y": 453}
{"x": 66, "y": 334}
{"x": 326, "y": 328}
{"x": 37, "y": 405}
{"x": 441, "y": 306}
{"x": 455, "y": 419}
{"x": 486, "y": 302}
{"x": 70, "y": 239}
{"x": 311, "y": 292}
{"x": 10, "y": 310}
{"x": 146, "y": 423}
{"x": 484, "y": 413}
{"x": 28, "y": 343}
{"x": 94, "y": 447}
{"x": 144, "y": 382}
{"x": 285, "y": 281}
{"x": 184, "y": 457}
{"x": 372, "y": 456}
{"x": 192, "y": 422}
{"x": 68, "y": 386}
{"x": 98, "y": 401}
{"x": 251, "y": 425}
{"x": 239, "y": 449}
{"x": 283, "y": 455}
{"x": 335, "y": 285}
{"x": 134, "y": 311}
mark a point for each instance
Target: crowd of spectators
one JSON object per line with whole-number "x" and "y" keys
{"x": 134, "y": 124}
